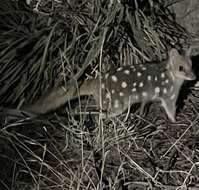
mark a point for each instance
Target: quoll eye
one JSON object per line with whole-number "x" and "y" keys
{"x": 181, "y": 68}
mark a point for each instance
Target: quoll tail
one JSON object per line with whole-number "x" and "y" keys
{"x": 58, "y": 97}
{"x": 53, "y": 100}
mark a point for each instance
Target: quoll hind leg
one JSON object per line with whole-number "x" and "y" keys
{"x": 170, "y": 108}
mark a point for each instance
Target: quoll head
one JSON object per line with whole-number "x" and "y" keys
{"x": 180, "y": 66}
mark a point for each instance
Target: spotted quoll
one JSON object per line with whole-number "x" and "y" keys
{"x": 116, "y": 91}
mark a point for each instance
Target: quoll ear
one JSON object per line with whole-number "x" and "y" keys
{"x": 173, "y": 55}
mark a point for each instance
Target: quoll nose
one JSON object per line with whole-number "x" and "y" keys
{"x": 191, "y": 76}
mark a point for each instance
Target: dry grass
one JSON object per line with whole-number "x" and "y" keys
{"x": 65, "y": 42}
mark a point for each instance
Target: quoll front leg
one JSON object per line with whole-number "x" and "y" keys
{"x": 170, "y": 108}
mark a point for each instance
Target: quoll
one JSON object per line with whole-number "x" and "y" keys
{"x": 118, "y": 90}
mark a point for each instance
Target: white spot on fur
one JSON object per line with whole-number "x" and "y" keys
{"x": 121, "y": 94}
{"x": 162, "y": 75}
{"x": 114, "y": 78}
{"x": 157, "y": 90}
{"x": 112, "y": 91}
{"x": 124, "y": 84}
{"x": 139, "y": 74}
{"x": 164, "y": 90}
{"x": 141, "y": 84}
{"x": 134, "y": 90}
{"x": 116, "y": 104}
{"x": 144, "y": 94}
{"x": 149, "y": 77}
{"x": 127, "y": 72}
{"x": 120, "y": 68}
